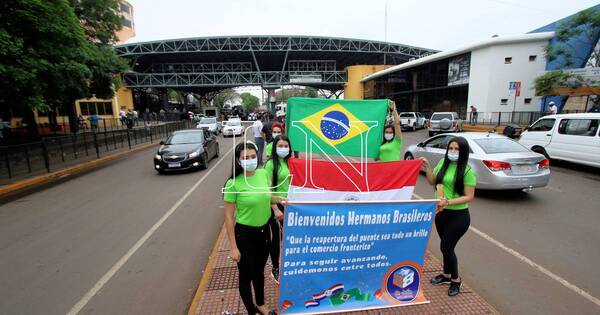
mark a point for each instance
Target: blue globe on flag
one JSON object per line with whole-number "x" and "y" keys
{"x": 335, "y": 125}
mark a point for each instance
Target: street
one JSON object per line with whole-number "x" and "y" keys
{"x": 125, "y": 240}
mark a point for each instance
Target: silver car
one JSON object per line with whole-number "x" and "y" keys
{"x": 445, "y": 122}
{"x": 498, "y": 161}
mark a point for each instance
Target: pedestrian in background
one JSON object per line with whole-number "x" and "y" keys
{"x": 552, "y": 109}
{"x": 391, "y": 147}
{"x": 275, "y": 130}
{"x": 257, "y": 127}
{"x": 474, "y": 115}
{"x": 455, "y": 187}
{"x": 247, "y": 202}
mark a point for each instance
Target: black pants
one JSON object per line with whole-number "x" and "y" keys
{"x": 252, "y": 243}
{"x": 275, "y": 244}
{"x": 451, "y": 225}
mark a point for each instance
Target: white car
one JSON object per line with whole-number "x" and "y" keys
{"x": 412, "y": 120}
{"x": 569, "y": 137}
{"x": 233, "y": 127}
{"x": 209, "y": 123}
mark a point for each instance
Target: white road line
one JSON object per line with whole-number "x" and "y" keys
{"x": 115, "y": 268}
{"x": 533, "y": 264}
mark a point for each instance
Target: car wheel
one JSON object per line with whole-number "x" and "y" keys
{"x": 540, "y": 150}
{"x": 409, "y": 156}
{"x": 204, "y": 163}
{"x": 414, "y": 127}
{"x": 217, "y": 152}
{"x": 432, "y": 133}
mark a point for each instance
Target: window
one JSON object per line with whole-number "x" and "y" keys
{"x": 508, "y": 60}
{"x": 532, "y": 58}
{"x": 124, "y": 8}
{"x": 527, "y": 101}
{"x": 504, "y": 101}
{"x": 441, "y": 116}
{"x": 186, "y": 138}
{"x": 500, "y": 145}
{"x": 578, "y": 127}
{"x": 100, "y": 108}
{"x": 439, "y": 142}
{"x": 126, "y": 23}
{"x": 543, "y": 125}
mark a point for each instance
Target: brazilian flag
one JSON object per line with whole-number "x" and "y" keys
{"x": 343, "y": 297}
{"x": 337, "y": 127}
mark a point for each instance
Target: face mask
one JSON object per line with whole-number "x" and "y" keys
{"x": 388, "y": 136}
{"x": 283, "y": 152}
{"x": 249, "y": 165}
{"x": 453, "y": 156}
{"x": 275, "y": 134}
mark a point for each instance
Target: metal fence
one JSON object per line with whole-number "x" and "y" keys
{"x": 51, "y": 153}
{"x": 505, "y": 118}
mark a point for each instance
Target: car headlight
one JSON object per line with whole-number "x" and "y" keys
{"x": 194, "y": 154}
{"x": 158, "y": 157}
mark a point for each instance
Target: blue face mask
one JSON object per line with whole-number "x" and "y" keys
{"x": 453, "y": 156}
{"x": 249, "y": 165}
{"x": 283, "y": 152}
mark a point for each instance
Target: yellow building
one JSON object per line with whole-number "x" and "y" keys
{"x": 354, "y": 89}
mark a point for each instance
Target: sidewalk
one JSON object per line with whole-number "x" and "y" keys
{"x": 218, "y": 290}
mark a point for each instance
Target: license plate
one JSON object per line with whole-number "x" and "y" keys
{"x": 174, "y": 164}
{"x": 523, "y": 169}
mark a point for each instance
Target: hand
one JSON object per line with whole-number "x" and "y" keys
{"x": 283, "y": 201}
{"x": 235, "y": 255}
{"x": 278, "y": 215}
{"x": 392, "y": 105}
{"x": 425, "y": 163}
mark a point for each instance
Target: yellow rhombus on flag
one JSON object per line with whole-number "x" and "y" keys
{"x": 353, "y": 127}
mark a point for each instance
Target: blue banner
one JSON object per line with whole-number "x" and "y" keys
{"x": 339, "y": 257}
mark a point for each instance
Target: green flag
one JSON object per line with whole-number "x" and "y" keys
{"x": 342, "y": 297}
{"x": 337, "y": 127}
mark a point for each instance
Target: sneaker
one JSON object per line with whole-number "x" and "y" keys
{"x": 275, "y": 275}
{"x": 454, "y": 288}
{"x": 440, "y": 279}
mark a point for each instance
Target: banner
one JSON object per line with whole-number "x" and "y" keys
{"x": 314, "y": 180}
{"x": 340, "y": 257}
{"x": 336, "y": 127}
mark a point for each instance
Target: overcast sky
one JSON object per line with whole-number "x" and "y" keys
{"x": 436, "y": 24}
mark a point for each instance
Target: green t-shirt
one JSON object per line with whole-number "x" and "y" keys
{"x": 252, "y": 198}
{"x": 268, "y": 149}
{"x": 390, "y": 151}
{"x": 283, "y": 178}
{"x": 470, "y": 179}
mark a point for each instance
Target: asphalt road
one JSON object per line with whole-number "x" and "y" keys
{"x": 71, "y": 244}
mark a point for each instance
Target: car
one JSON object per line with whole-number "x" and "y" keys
{"x": 210, "y": 123}
{"x": 233, "y": 127}
{"x": 186, "y": 149}
{"x": 444, "y": 122}
{"x": 412, "y": 120}
{"x": 570, "y": 137}
{"x": 499, "y": 162}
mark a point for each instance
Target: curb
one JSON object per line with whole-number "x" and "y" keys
{"x": 497, "y": 129}
{"x": 66, "y": 172}
{"x": 207, "y": 274}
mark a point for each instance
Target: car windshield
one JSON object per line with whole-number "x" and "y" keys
{"x": 441, "y": 116}
{"x": 208, "y": 120}
{"x": 407, "y": 115}
{"x": 234, "y": 123}
{"x": 500, "y": 145}
{"x": 185, "y": 138}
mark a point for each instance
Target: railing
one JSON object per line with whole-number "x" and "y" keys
{"x": 505, "y": 118}
{"x": 51, "y": 153}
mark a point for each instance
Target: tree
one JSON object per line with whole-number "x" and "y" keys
{"x": 581, "y": 30}
{"x": 224, "y": 96}
{"x": 295, "y": 92}
{"x": 100, "y": 19}
{"x": 249, "y": 101}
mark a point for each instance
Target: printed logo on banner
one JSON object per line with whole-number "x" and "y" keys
{"x": 402, "y": 282}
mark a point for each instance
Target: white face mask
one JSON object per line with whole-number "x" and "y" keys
{"x": 388, "y": 136}
{"x": 275, "y": 134}
{"x": 249, "y": 165}
{"x": 453, "y": 156}
{"x": 283, "y": 152}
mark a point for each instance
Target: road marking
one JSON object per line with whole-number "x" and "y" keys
{"x": 533, "y": 264}
{"x": 115, "y": 268}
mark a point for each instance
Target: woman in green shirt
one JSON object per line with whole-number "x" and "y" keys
{"x": 455, "y": 187}
{"x": 248, "y": 199}
{"x": 391, "y": 146}
{"x": 279, "y": 177}
{"x": 276, "y": 130}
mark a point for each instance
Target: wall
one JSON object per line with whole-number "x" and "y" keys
{"x": 354, "y": 89}
{"x": 490, "y": 76}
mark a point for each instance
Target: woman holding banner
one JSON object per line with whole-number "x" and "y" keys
{"x": 391, "y": 146}
{"x": 247, "y": 199}
{"x": 455, "y": 187}
{"x": 278, "y": 171}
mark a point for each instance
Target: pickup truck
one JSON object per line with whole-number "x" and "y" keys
{"x": 412, "y": 121}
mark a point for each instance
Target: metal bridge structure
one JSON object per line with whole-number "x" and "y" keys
{"x": 208, "y": 64}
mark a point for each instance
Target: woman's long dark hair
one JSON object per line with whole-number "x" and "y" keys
{"x": 461, "y": 165}
{"x": 237, "y": 169}
{"x": 275, "y": 158}
{"x": 393, "y": 131}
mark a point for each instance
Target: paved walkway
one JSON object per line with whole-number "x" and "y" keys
{"x": 218, "y": 291}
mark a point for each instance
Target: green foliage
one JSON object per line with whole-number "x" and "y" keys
{"x": 100, "y": 19}
{"x": 224, "y": 96}
{"x": 249, "y": 101}
{"x": 544, "y": 83}
{"x": 295, "y": 92}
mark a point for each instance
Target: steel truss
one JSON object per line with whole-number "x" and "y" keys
{"x": 201, "y": 67}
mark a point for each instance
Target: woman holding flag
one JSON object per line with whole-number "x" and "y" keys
{"x": 279, "y": 173}
{"x": 247, "y": 199}
{"x": 391, "y": 147}
{"x": 455, "y": 186}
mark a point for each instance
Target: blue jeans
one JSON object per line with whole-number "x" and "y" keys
{"x": 260, "y": 143}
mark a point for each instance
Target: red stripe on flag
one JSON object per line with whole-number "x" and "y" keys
{"x": 340, "y": 176}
